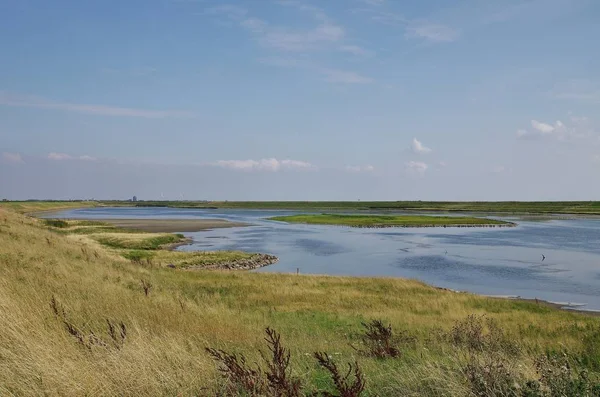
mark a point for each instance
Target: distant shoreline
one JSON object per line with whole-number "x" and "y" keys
{"x": 501, "y": 208}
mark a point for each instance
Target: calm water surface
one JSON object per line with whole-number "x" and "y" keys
{"x": 492, "y": 261}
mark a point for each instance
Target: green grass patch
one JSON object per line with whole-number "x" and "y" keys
{"x": 134, "y": 242}
{"x": 58, "y": 223}
{"x": 387, "y": 220}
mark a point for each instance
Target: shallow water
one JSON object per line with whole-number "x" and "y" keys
{"x": 492, "y": 261}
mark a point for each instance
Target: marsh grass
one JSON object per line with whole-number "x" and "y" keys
{"x": 167, "y": 332}
{"x": 377, "y": 221}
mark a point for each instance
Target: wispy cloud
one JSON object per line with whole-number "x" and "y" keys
{"x": 268, "y": 164}
{"x": 355, "y": 50}
{"x": 229, "y": 10}
{"x": 418, "y": 147}
{"x": 29, "y": 101}
{"x": 344, "y": 76}
{"x": 373, "y": 2}
{"x": 324, "y": 34}
{"x": 578, "y": 90}
{"x": 416, "y": 167}
{"x": 281, "y": 37}
{"x": 329, "y": 75}
{"x": 431, "y": 32}
{"x": 360, "y": 168}
{"x": 63, "y": 156}
{"x": 420, "y": 29}
{"x": 11, "y": 158}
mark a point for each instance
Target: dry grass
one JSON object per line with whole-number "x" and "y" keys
{"x": 27, "y": 207}
{"x": 167, "y": 332}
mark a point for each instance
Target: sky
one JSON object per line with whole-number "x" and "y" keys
{"x": 300, "y": 99}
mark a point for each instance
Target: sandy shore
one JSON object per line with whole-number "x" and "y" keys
{"x": 171, "y": 225}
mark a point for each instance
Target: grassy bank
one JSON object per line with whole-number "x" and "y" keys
{"x": 516, "y": 207}
{"x": 77, "y": 318}
{"x": 28, "y": 207}
{"x": 149, "y": 249}
{"x": 380, "y": 221}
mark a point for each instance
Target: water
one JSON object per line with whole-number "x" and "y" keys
{"x": 494, "y": 261}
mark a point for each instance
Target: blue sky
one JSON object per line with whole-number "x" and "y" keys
{"x": 330, "y": 99}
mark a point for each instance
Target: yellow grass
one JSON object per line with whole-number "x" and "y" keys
{"x": 26, "y": 207}
{"x": 167, "y": 331}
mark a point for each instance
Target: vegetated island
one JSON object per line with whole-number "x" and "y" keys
{"x": 383, "y": 221}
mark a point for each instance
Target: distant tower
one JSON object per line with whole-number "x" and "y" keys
{"x": 134, "y": 198}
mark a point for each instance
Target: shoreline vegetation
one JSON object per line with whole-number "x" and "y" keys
{"x": 121, "y": 324}
{"x": 151, "y": 242}
{"x": 386, "y": 221}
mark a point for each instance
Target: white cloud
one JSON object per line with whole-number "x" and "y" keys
{"x": 59, "y": 156}
{"x": 579, "y": 127}
{"x": 360, "y": 168}
{"x": 498, "y": 169}
{"x": 270, "y": 164}
{"x": 29, "y": 101}
{"x": 416, "y": 167}
{"x": 431, "y": 32}
{"x": 418, "y": 147}
{"x": 543, "y": 127}
{"x": 296, "y": 164}
{"x": 63, "y": 156}
{"x": 11, "y": 158}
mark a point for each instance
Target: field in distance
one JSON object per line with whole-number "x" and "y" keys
{"x": 504, "y": 207}
{"x": 516, "y": 207}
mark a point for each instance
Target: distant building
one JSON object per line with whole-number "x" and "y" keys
{"x": 134, "y": 199}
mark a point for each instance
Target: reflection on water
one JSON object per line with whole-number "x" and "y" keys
{"x": 488, "y": 261}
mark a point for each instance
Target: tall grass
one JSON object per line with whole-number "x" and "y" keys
{"x": 69, "y": 348}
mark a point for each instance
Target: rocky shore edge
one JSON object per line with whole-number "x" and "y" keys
{"x": 511, "y": 224}
{"x": 254, "y": 262}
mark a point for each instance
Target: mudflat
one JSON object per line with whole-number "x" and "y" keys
{"x": 172, "y": 225}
